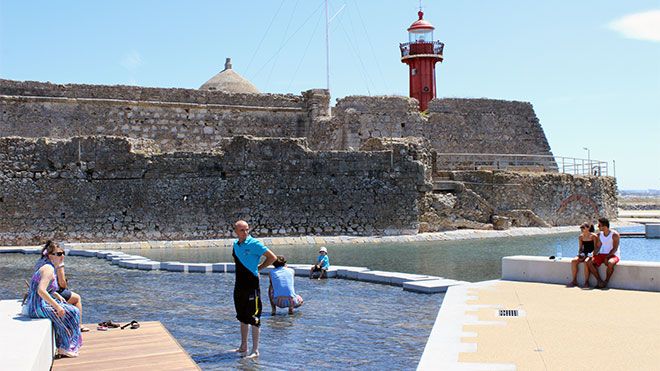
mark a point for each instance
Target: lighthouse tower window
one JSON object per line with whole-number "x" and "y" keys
{"x": 413, "y": 71}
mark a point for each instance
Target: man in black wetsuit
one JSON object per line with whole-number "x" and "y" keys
{"x": 247, "y": 252}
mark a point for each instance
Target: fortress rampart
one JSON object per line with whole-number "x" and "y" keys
{"x": 98, "y": 188}
{"x": 99, "y": 163}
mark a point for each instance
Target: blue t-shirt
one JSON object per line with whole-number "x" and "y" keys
{"x": 325, "y": 260}
{"x": 282, "y": 279}
{"x": 249, "y": 252}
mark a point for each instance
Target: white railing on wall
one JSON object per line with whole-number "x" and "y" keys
{"x": 521, "y": 162}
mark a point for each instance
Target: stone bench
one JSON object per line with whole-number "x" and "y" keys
{"x": 26, "y": 343}
{"x": 628, "y": 275}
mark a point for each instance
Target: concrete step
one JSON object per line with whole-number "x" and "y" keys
{"x": 431, "y": 286}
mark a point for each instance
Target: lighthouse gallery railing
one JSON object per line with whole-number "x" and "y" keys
{"x": 434, "y": 47}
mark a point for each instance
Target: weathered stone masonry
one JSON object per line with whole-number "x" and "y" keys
{"x": 97, "y": 188}
{"x": 177, "y": 168}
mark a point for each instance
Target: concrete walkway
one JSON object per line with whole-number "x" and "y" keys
{"x": 557, "y": 328}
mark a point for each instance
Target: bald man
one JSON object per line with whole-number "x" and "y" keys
{"x": 247, "y": 253}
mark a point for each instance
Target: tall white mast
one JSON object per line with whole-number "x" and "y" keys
{"x": 327, "y": 47}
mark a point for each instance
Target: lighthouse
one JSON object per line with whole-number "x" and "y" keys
{"x": 421, "y": 53}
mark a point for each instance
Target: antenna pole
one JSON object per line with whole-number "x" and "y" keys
{"x": 327, "y": 47}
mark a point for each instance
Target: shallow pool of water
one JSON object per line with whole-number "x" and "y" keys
{"x": 468, "y": 260}
{"x": 342, "y": 325}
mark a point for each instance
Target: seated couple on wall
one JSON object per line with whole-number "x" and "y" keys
{"x": 595, "y": 250}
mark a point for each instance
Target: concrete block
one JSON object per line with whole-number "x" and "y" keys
{"x": 628, "y": 275}
{"x": 350, "y": 273}
{"x": 116, "y": 259}
{"x": 103, "y": 253}
{"x": 652, "y": 230}
{"x": 86, "y": 253}
{"x": 199, "y": 267}
{"x": 231, "y": 267}
{"x": 131, "y": 264}
{"x": 26, "y": 343}
{"x": 114, "y": 255}
{"x": 219, "y": 267}
{"x": 148, "y": 265}
{"x": 174, "y": 267}
{"x": 431, "y": 286}
{"x": 391, "y": 278}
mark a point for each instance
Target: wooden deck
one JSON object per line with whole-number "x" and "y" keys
{"x": 150, "y": 346}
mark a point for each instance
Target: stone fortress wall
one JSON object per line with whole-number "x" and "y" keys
{"x": 98, "y": 188}
{"x": 185, "y": 169}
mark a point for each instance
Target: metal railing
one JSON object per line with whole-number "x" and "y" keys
{"x": 521, "y": 162}
{"x": 413, "y": 48}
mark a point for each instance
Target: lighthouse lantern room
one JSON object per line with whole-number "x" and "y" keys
{"x": 421, "y": 53}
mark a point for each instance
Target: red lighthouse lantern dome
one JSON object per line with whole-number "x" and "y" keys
{"x": 421, "y": 30}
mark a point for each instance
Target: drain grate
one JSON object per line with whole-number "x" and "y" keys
{"x": 508, "y": 313}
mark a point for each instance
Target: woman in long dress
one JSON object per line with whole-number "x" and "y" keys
{"x": 44, "y": 302}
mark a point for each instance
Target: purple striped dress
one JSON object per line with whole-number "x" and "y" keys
{"x": 67, "y": 328}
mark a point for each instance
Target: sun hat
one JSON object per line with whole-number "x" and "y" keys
{"x": 323, "y": 249}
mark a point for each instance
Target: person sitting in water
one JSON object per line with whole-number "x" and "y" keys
{"x": 43, "y": 302}
{"x": 607, "y": 251}
{"x": 322, "y": 264}
{"x": 586, "y": 244}
{"x": 64, "y": 293}
{"x": 281, "y": 291}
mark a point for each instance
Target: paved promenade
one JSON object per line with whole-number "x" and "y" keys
{"x": 557, "y": 328}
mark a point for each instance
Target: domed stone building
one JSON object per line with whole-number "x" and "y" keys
{"x": 229, "y": 81}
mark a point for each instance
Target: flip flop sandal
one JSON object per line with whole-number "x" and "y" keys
{"x": 84, "y": 329}
{"x": 134, "y": 325}
{"x": 111, "y": 324}
{"x": 102, "y": 328}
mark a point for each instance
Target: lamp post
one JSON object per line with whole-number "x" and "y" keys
{"x": 588, "y": 158}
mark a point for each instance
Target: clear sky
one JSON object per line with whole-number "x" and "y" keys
{"x": 591, "y": 68}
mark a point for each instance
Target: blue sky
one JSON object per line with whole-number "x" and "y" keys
{"x": 591, "y": 68}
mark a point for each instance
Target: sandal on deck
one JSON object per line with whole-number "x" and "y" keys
{"x": 84, "y": 329}
{"x": 109, "y": 324}
{"x": 134, "y": 325}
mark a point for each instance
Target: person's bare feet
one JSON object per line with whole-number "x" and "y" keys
{"x": 572, "y": 284}
{"x": 240, "y": 351}
{"x": 253, "y": 354}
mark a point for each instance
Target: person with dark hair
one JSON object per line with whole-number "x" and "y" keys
{"x": 607, "y": 251}
{"x": 43, "y": 302}
{"x": 247, "y": 252}
{"x": 281, "y": 291}
{"x": 63, "y": 291}
{"x": 586, "y": 244}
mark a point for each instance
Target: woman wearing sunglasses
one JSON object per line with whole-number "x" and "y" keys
{"x": 63, "y": 292}
{"x": 44, "y": 302}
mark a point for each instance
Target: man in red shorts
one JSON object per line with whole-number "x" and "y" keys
{"x": 607, "y": 251}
